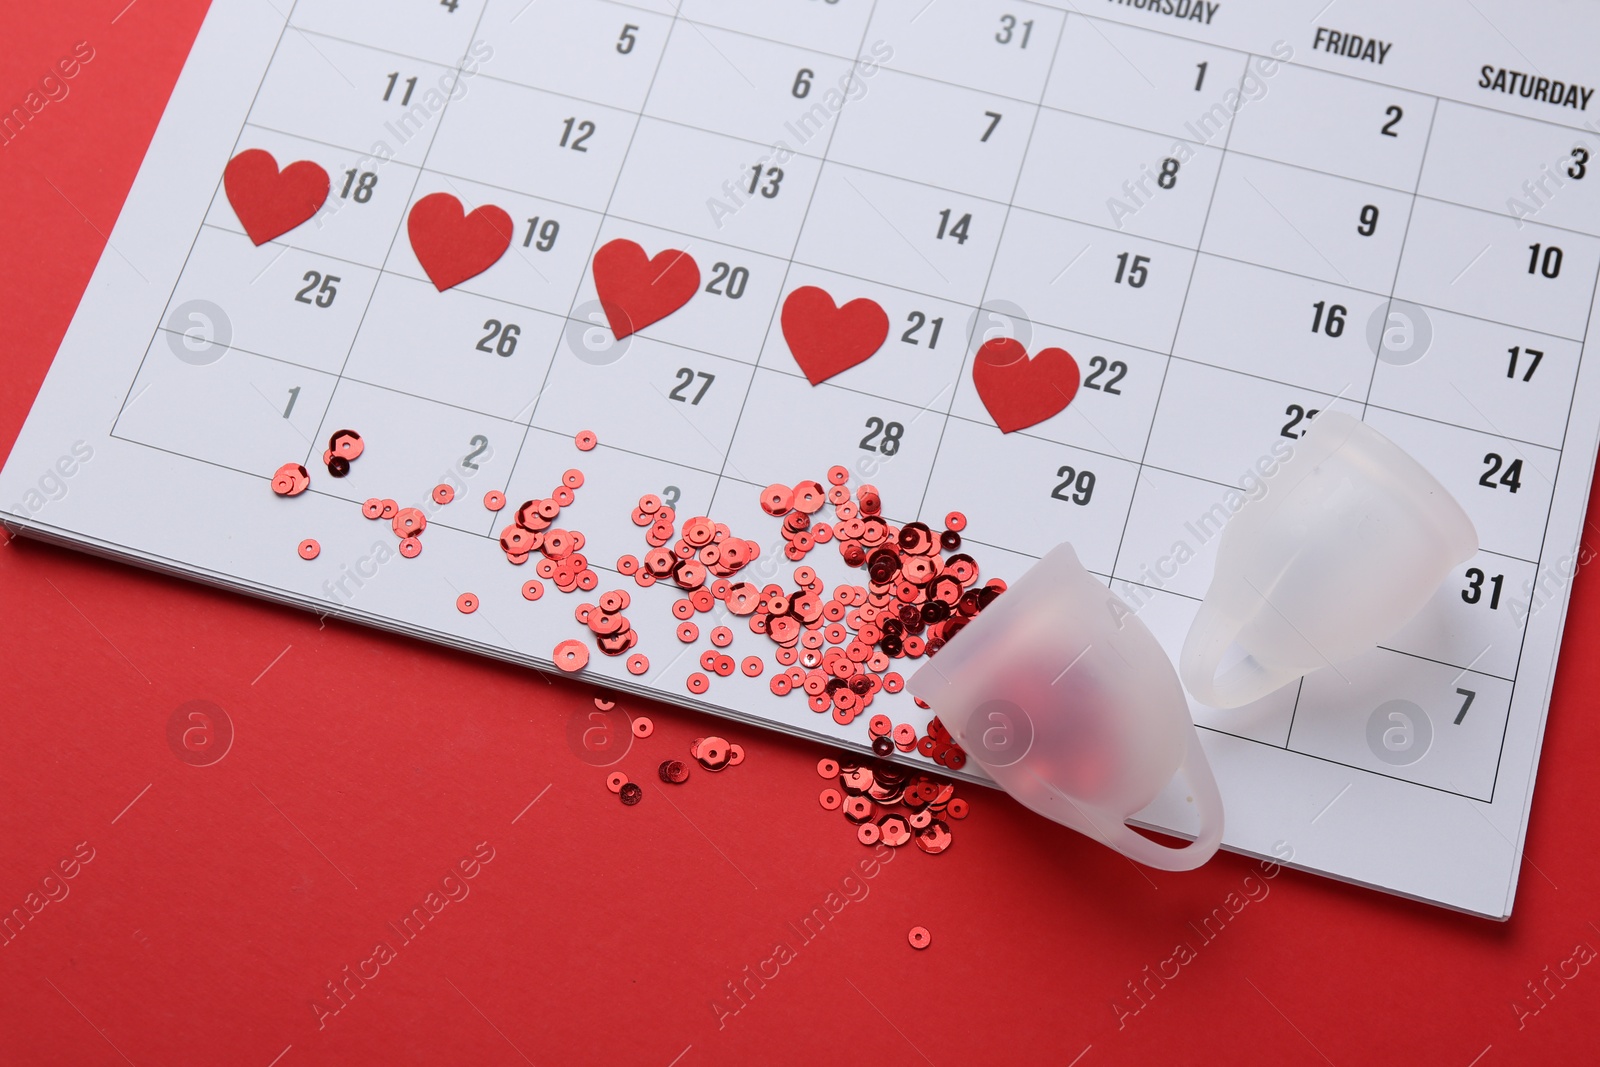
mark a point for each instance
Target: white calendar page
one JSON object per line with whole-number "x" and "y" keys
{"x": 1232, "y": 215}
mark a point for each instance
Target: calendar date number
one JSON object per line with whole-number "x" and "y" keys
{"x": 358, "y": 186}
{"x": 728, "y": 281}
{"x": 915, "y": 323}
{"x": 1497, "y": 472}
{"x": 1528, "y": 357}
{"x": 687, "y": 377}
{"x": 1099, "y": 368}
{"x": 1076, "y": 486}
{"x": 1012, "y": 30}
{"x": 1132, "y": 270}
{"x": 1328, "y": 319}
{"x": 500, "y": 338}
{"x": 480, "y": 445}
{"x": 1473, "y": 593}
{"x": 575, "y": 134}
{"x": 883, "y": 436}
{"x": 320, "y": 289}
{"x": 1544, "y": 260}
{"x": 542, "y": 233}
{"x": 1298, "y": 415}
{"x": 957, "y": 228}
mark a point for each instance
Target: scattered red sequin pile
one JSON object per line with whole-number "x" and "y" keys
{"x": 534, "y": 530}
{"x": 890, "y": 804}
{"x": 915, "y": 600}
{"x": 706, "y": 550}
{"x": 838, "y": 649}
{"x": 612, "y": 632}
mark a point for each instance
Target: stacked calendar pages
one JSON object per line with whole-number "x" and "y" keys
{"x": 623, "y": 339}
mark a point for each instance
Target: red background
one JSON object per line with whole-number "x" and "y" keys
{"x": 217, "y": 905}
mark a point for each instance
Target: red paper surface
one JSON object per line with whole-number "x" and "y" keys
{"x": 365, "y": 767}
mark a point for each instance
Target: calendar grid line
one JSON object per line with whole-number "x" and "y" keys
{"x": 1340, "y": 763}
{"x": 1437, "y": 100}
{"x": 834, "y": 385}
{"x": 830, "y": 385}
{"x": 1056, "y": 109}
{"x": 238, "y": 137}
{"x": 1108, "y": 578}
{"x": 466, "y": 286}
{"x": 1400, "y": 259}
{"x": 266, "y": 479}
{"x": 1324, "y": 70}
{"x": 368, "y": 46}
{"x": 355, "y": 503}
{"x": 1071, "y": 10}
{"x": 1467, "y": 668}
{"x": 431, "y": 522}
{"x": 595, "y": 244}
{"x": 968, "y": 351}
{"x": 955, "y": 303}
{"x": 1422, "y": 166}
{"x": 400, "y": 226}
{"x": 1544, "y": 539}
{"x": 710, "y": 132}
{"x": 1294, "y": 712}
{"x": 1100, "y": 452}
{"x": 1177, "y": 328}
{"x": 1178, "y": 246}
{"x": 1113, "y": 577}
{"x": 1198, "y": 249}
{"x": 794, "y": 250}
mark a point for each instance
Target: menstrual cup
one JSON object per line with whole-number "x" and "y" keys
{"x": 1068, "y": 702}
{"x": 1350, "y": 540}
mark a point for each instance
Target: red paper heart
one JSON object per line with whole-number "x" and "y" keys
{"x": 270, "y": 202}
{"x": 1021, "y": 392}
{"x": 827, "y": 340}
{"x": 636, "y": 290}
{"x": 452, "y": 245}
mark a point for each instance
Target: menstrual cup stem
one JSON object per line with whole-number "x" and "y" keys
{"x": 1214, "y": 630}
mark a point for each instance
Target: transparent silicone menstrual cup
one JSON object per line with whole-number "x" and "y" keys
{"x": 1349, "y": 542}
{"x": 1068, "y": 702}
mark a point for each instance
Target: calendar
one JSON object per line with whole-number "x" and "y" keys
{"x": 1064, "y": 271}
